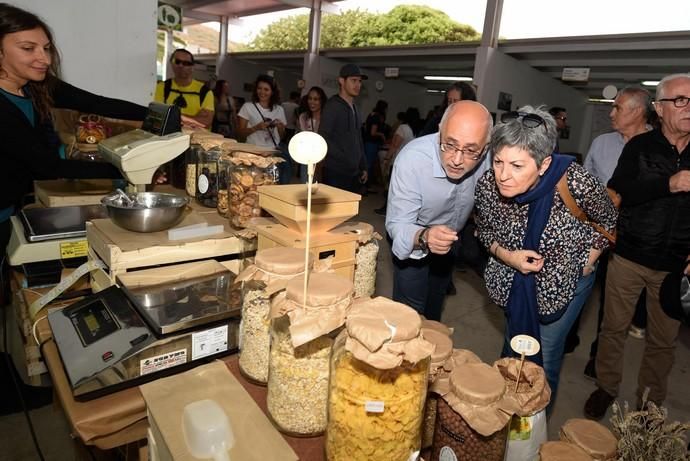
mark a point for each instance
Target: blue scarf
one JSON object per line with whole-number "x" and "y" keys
{"x": 522, "y": 312}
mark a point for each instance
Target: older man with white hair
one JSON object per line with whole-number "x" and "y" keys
{"x": 653, "y": 179}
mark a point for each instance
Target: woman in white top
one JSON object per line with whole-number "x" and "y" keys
{"x": 262, "y": 121}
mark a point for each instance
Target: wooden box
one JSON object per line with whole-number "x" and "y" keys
{"x": 341, "y": 245}
{"x": 64, "y": 192}
{"x": 329, "y": 206}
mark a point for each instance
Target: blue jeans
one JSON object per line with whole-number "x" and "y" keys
{"x": 553, "y": 335}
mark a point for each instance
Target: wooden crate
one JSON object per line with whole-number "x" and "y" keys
{"x": 342, "y": 246}
{"x": 118, "y": 261}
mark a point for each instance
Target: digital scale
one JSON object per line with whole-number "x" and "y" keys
{"x": 127, "y": 335}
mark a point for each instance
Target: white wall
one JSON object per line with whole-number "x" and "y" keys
{"x": 108, "y": 46}
{"x": 496, "y": 72}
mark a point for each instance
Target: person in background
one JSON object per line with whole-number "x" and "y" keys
{"x": 262, "y": 121}
{"x": 224, "y": 118}
{"x": 375, "y": 136}
{"x": 561, "y": 116}
{"x": 653, "y": 180}
{"x": 629, "y": 116}
{"x": 291, "y": 108}
{"x": 345, "y": 165}
{"x": 193, "y": 97}
{"x": 543, "y": 259}
{"x": 431, "y": 196}
{"x": 30, "y": 87}
{"x": 457, "y": 91}
{"x": 309, "y": 119}
{"x": 403, "y": 135}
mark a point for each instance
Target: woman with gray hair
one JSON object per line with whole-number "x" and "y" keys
{"x": 542, "y": 257}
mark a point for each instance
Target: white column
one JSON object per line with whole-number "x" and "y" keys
{"x": 223, "y": 43}
{"x": 492, "y": 26}
{"x": 311, "y": 72}
{"x": 168, "y": 49}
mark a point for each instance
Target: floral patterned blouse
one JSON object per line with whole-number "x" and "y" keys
{"x": 564, "y": 245}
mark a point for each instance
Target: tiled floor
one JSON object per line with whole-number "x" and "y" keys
{"x": 478, "y": 326}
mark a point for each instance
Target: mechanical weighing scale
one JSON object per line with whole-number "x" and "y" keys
{"x": 127, "y": 335}
{"x": 37, "y": 236}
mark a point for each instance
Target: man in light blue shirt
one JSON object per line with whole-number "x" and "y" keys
{"x": 431, "y": 196}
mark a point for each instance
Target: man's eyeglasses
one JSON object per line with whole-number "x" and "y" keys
{"x": 680, "y": 101}
{"x": 468, "y": 154}
{"x": 528, "y": 120}
{"x": 180, "y": 102}
{"x": 182, "y": 62}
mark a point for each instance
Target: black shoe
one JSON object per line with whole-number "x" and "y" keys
{"x": 381, "y": 211}
{"x": 597, "y": 404}
{"x": 590, "y": 370}
{"x": 571, "y": 344}
{"x": 451, "y": 290}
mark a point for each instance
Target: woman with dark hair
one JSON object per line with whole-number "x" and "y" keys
{"x": 543, "y": 258}
{"x": 224, "y": 117}
{"x": 30, "y": 87}
{"x": 310, "y": 110}
{"x": 374, "y": 135}
{"x": 457, "y": 91}
{"x": 262, "y": 121}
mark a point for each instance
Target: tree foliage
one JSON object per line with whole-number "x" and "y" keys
{"x": 403, "y": 25}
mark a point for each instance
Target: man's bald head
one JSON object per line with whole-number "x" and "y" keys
{"x": 464, "y": 132}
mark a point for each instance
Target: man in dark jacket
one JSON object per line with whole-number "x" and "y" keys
{"x": 653, "y": 179}
{"x": 345, "y": 165}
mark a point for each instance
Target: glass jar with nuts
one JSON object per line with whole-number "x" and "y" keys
{"x": 242, "y": 195}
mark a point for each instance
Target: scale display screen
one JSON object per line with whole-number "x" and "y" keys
{"x": 93, "y": 322}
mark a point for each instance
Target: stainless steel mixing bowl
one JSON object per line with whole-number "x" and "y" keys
{"x": 150, "y": 212}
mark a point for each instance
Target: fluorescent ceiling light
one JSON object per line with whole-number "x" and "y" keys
{"x": 650, "y": 82}
{"x": 447, "y": 79}
{"x": 435, "y": 91}
{"x": 600, "y": 100}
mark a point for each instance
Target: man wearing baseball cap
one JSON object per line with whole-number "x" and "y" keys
{"x": 345, "y": 165}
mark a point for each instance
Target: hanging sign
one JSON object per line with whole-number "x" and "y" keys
{"x": 169, "y": 16}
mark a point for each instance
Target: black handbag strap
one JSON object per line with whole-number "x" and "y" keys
{"x": 268, "y": 129}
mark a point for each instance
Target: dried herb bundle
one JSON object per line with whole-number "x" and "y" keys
{"x": 644, "y": 435}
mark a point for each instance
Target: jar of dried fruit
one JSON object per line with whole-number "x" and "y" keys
{"x": 207, "y": 177}
{"x": 250, "y": 171}
{"x": 379, "y": 372}
{"x": 302, "y": 334}
{"x": 272, "y": 269}
{"x": 442, "y": 351}
{"x": 473, "y": 415}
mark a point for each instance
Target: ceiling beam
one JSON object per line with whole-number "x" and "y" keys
{"x": 200, "y": 16}
{"x": 326, "y": 7}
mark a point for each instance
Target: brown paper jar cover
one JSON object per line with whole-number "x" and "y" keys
{"x": 443, "y": 347}
{"x": 477, "y": 392}
{"x": 438, "y": 326}
{"x": 275, "y": 264}
{"x": 441, "y": 382}
{"x": 562, "y": 451}
{"x": 533, "y": 393}
{"x": 594, "y": 438}
{"x": 384, "y": 333}
{"x": 324, "y": 289}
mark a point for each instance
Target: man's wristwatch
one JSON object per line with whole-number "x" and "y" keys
{"x": 422, "y": 241}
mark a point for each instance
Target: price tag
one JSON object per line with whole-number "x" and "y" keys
{"x": 74, "y": 249}
{"x": 523, "y": 344}
{"x": 374, "y": 406}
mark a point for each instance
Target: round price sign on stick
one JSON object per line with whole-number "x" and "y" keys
{"x": 307, "y": 148}
{"x": 525, "y": 346}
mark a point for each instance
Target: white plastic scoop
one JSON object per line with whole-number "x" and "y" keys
{"x": 207, "y": 430}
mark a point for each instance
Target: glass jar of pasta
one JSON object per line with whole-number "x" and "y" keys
{"x": 261, "y": 282}
{"x": 379, "y": 373}
{"x": 302, "y": 334}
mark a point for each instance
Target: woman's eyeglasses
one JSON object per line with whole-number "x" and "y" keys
{"x": 182, "y": 62}
{"x": 528, "y": 120}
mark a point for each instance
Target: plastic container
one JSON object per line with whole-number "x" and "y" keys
{"x": 443, "y": 349}
{"x": 472, "y": 418}
{"x": 261, "y": 282}
{"x": 207, "y": 431}
{"x": 379, "y": 374}
{"x": 301, "y": 341}
{"x": 243, "y": 197}
{"x": 191, "y": 160}
{"x": 225, "y": 168}
{"x": 207, "y": 177}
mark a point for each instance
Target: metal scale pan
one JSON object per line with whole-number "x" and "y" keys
{"x": 41, "y": 224}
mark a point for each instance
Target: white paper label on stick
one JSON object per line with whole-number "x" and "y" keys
{"x": 524, "y": 344}
{"x": 163, "y": 361}
{"x": 209, "y": 342}
{"x": 447, "y": 454}
{"x": 374, "y": 406}
{"x": 202, "y": 183}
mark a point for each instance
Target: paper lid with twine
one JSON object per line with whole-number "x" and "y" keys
{"x": 458, "y": 357}
{"x": 438, "y": 326}
{"x": 384, "y": 333}
{"x": 594, "y": 438}
{"x": 562, "y": 451}
{"x": 477, "y": 392}
{"x": 365, "y": 231}
{"x": 276, "y": 266}
{"x": 534, "y": 393}
{"x": 329, "y": 297}
{"x": 443, "y": 347}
